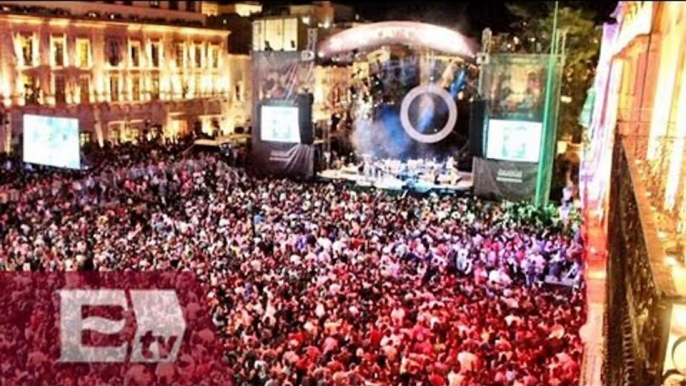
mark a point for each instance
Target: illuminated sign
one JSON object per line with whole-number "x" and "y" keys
{"x": 398, "y": 32}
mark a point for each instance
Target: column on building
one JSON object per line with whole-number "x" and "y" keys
{"x": 670, "y": 48}
{"x": 676, "y": 130}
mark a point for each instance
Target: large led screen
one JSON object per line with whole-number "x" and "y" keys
{"x": 518, "y": 141}
{"x": 280, "y": 124}
{"x": 52, "y": 141}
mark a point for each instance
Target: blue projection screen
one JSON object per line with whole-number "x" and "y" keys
{"x": 52, "y": 141}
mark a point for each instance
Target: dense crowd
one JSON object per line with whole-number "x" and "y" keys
{"x": 319, "y": 283}
{"x": 14, "y": 174}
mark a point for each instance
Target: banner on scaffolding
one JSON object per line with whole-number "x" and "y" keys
{"x": 282, "y": 114}
{"x": 514, "y": 86}
{"x": 515, "y": 181}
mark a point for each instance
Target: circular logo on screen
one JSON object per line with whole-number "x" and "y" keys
{"x": 405, "y": 114}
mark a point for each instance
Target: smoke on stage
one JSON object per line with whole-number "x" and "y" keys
{"x": 378, "y": 131}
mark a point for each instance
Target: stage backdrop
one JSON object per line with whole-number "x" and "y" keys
{"x": 282, "y": 124}
{"x": 515, "y": 181}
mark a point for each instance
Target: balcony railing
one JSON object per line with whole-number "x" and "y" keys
{"x": 661, "y": 166}
{"x": 639, "y": 288}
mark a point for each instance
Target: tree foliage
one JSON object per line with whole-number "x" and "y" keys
{"x": 531, "y": 32}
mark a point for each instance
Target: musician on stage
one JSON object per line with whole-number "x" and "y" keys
{"x": 450, "y": 165}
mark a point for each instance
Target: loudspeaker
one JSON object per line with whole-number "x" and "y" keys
{"x": 477, "y": 120}
{"x": 305, "y": 102}
{"x": 319, "y": 161}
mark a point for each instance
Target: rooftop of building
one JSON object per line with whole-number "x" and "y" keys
{"x": 95, "y": 15}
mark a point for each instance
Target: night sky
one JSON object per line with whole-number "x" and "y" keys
{"x": 469, "y": 17}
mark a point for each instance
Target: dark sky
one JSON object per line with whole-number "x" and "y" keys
{"x": 469, "y": 17}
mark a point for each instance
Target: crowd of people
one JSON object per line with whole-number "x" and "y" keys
{"x": 16, "y": 175}
{"x": 321, "y": 283}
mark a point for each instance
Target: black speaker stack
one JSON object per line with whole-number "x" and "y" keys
{"x": 477, "y": 120}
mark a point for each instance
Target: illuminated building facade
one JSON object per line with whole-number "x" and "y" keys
{"x": 323, "y": 14}
{"x": 122, "y": 79}
{"x": 331, "y": 91}
{"x": 242, "y": 9}
{"x": 188, "y": 11}
{"x": 644, "y": 98}
{"x": 285, "y": 28}
{"x": 290, "y": 28}
{"x": 635, "y": 184}
{"x": 279, "y": 33}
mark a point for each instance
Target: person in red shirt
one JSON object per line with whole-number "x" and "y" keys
{"x": 424, "y": 347}
{"x": 335, "y": 366}
{"x": 375, "y": 337}
{"x": 436, "y": 379}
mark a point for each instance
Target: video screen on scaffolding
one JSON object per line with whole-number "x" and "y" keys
{"x": 52, "y": 141}
{"x": 280, "y": 124}
{"x": 517, "y": 141}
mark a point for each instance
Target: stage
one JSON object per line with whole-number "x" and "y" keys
{"x": 464, "y": 183}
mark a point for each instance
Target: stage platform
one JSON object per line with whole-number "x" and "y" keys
{"x": 465, "y": 183}
{"x": 233, "y": 139}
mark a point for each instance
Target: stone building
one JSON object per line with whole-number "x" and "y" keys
{"x": 124, "y": 69}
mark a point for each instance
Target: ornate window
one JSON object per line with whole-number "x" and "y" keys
{"x": 155, "y": 54}
{"x": 214, "y": 56}
{"x": 155, "y": 87}
{"x": 60, "y": 89}
{"x": 179, "y": 54}
{"x": 135, "y": 53}
{"x": 113, "y": 52}
{"x": 27, "y": 48}
{"x": 31, "y": 90}
{"x": 85, "y": 89}
{"x": 136, "y": 88}
{"x": 114, "y": 87}
{"x": 58, "y": 47}
{"x": 197, "y": 55}
{"x": 198, "y": 85}
{"x": 83, "y": 53}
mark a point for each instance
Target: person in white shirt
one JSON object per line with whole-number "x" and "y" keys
{"x": 467, "y": 361}
{"x": 494, "y": 276}
{"x": 455, "y": 379}
{"x": 463, "y": 262}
